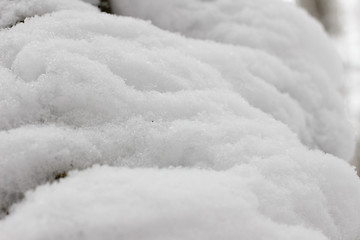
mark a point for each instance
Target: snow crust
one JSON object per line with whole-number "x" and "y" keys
{"x": 301, "y": 84}
{"x": 191, "y": 148}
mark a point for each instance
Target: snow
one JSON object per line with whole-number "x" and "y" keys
{"x": 308, "y": 75}
{"x": 196, "y": 139}
{"x": 171, "y": 204}
{"x": 348, "y": 44}
{"x": 14, "y": 11}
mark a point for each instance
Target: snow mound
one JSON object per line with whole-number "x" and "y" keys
{"x": 300, "y": 84}
{"x": 75, "y": 93}
{"x": 242, "y": 203}
{"x": 193, "y": 152}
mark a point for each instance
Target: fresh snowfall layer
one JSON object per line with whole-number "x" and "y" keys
{"x": 192, "y": 153}
{"x": 299, "y": 84}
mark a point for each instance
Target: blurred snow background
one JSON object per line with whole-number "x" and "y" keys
{"x": 341, "y": 19}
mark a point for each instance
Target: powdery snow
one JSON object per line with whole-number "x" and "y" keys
{"x": 14, "y": 11}
{"x": 310, "y": 102}
{"x": 184, "y": 126}
{"x": 242, "y": 203}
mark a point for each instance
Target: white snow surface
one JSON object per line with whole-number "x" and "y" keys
{"x": 183, "y": 127}
{"x": 246, "y": 202}
{"x": 13, "y": 11}
{"x": 304, "y": 92}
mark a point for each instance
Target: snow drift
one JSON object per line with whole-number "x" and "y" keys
{"x": 303, "y": 92}
{"x": 113, "y": 203}
{"x": 184, "y": 127}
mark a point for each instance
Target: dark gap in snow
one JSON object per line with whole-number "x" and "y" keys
{"x": 16, "y": 197}
{"x": 5, "y": 210}
{"x": 21, "y": 20}
{"x": 11, "y": 199}
{"x": 105, "y": 6}
{"x": 60, "y": 175}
